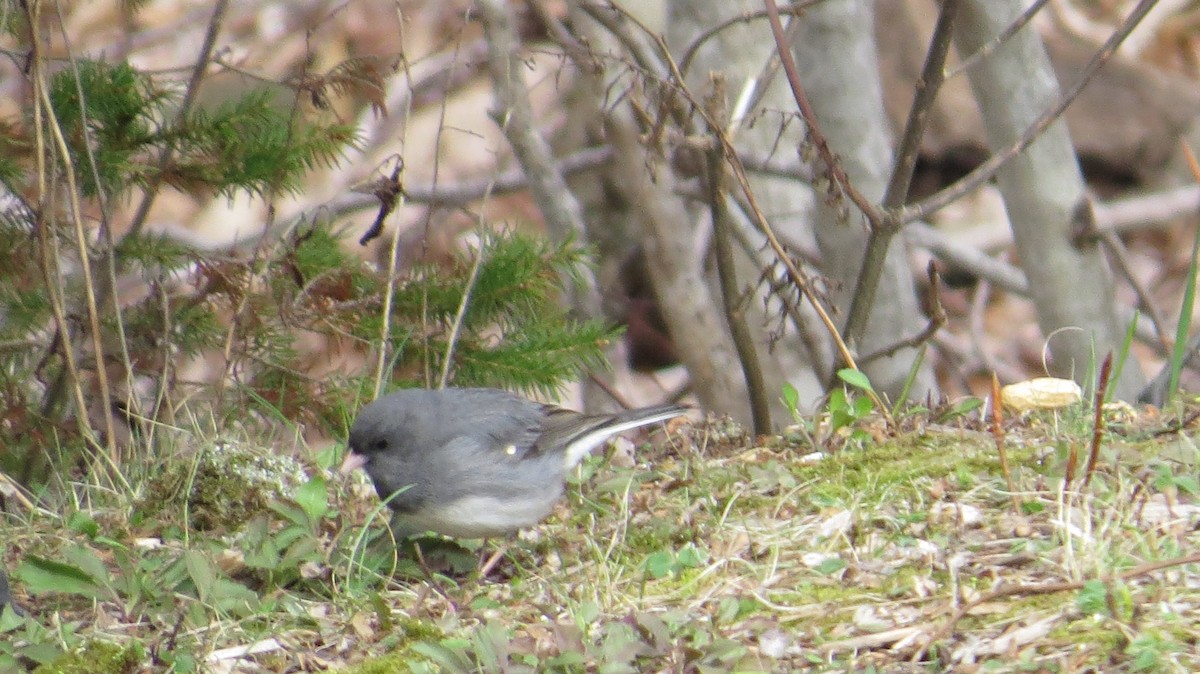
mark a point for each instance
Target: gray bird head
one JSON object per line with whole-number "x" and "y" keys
{"x": 379, "y": 427}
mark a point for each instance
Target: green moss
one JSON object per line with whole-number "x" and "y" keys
{"x": 392, "y": 663}
{"x": 225, "y": 485}
{"x": 96, "y": 657}
{"x": 904, "y": 464}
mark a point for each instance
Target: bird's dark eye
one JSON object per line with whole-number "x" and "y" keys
{"x": 378, "y": 445}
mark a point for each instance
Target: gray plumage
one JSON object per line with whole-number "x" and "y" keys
{"x": 477, "y": 463}
{"x": 6, "y": 595}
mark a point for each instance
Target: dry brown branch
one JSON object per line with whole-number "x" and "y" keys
{"x": 1044, "y": 588}
{"x": 1120, "y": 257}
{"x": 735, "y": 316}
{"x": 685, "y": 62}
{"x": 1098, "y": 420}
{"x": 998, "y": 437}
{"x": 760, "y": 221}
{"x": 45, "y": 120}
{"x": 883, "y": 229}
{"x": 1003, "y": 37}
{"x": 150, "y": 193}
{"x": 937, "y": 319}
{"x": 833, "y": 166}
{"x": 988, "y": 169}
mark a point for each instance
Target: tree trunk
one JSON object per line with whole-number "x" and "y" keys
{"x": 1043, "y": 191}
{"x": 836, "y": 56}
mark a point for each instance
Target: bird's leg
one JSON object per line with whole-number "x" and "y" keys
{"x": 429, "y": 579}
{"x": 493, "y": 560}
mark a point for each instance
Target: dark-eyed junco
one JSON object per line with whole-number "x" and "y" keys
{"x": 6, "y": 596}
{"x": 474, "y": 462}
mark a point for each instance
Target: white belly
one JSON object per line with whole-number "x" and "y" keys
{"x": 477, "y": 516}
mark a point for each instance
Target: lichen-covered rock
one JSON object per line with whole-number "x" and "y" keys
{"x": 225, "y": 485}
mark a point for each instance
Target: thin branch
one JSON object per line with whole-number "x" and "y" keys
{"x": 1098, "y": 419}
{"x": 609, "y": 16}
{"x": 389, "y": 291}
{"x": 988, "y": 169}
{"x": 460, "y": 315}
{"x": 185, "y": 108}
{"x": 1047, "y": 588}
{"x": 743, "y": 340}
{"x": 871, "y": 269}
{"x": 995, "y": 43}
{"x": 41, "y": 87}
{"x": 689, "y": 52}
{"x": 110, "y": 267}
{"x": 760, "y": 221}
{"x": 44, "y": 118}
{"x": 937, "y": 319}
{"x": 562, "y": 212}
{"x": 1120, "y": 257}
{"x": 834, "y": 167}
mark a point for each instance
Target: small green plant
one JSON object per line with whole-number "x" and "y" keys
{"x": 846, "y": 408}
{"x": 1168, "y": 479}
{"x": 1152, "y": 652}
{"x": 1113, "y": 599}
{"x": 957, "y": 409}
{"x": 670, "y": 563}
{"x": 1183, "y": 325}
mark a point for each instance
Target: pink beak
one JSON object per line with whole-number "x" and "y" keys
{"x": 352, "y": 462}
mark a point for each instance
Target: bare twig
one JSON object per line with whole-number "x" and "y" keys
{"x": 998, "y": 436}
{"x": 685, "y": 62}
{"x": 185, "y": 107}
{"x": 743, "y": 340}
{"x": 389, "y": 291}
{"x": 1098, "y": 423}
{"x": 988, "y": 169}
{"x": 883, "y": 229}
{"x": 937, "y": 319}
{"x": 834, "y": 167}
{"x": 388, "y": 192}
{"x": 456, "y": 326}
{"x": 110, "y": 268}
{"x": 1120, "y": 257}
{"x": 1046, "y": 588}
{"x": 1003, "y": 37}
{"x": 759, "y": 220}
{"x": 41, "y": 86}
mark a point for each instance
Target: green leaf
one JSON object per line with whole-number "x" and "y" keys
{"x": 1093, "y": 598}
{"x": 40, "y": 575}
{"x": 838, "y": 402}
{"x": 229, "y": 596}
{"x": 450, "y": 655}
{"x": 293, "y": 513}
{"x": 82, "y": 523}
{"x": 961, "y": 408}
{"x": 9, "y": 621}
{"x": 660, "y": 564}
{"x": 89, "y": 563}
{"x": 830, "y": 566}
{"x": 791, "y": 398}
{"x": 313, "y": 497}
{"x": 691, "y": 557}
{"x": 201, "y": 571}
{"x": 863, "y": 406}
{"x": 855, "y": 378}
{"x": 728, "y": 610}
